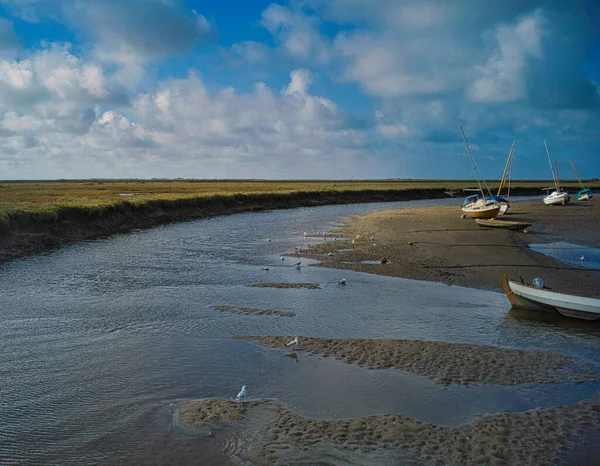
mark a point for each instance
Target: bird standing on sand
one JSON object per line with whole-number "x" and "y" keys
{"x": 342, "y": 281}
{"x": 282, "y": 258}
{"x": 294, "y": 342}
{"x": 298, "y": 264}
{"x": 241, "y": 395}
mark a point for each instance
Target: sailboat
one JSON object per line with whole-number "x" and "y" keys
{"x": 585, "y": 194}
{"x": 477, "y": 206}
{"x": 558, "y": 196}
{"x": 504, "y": 204}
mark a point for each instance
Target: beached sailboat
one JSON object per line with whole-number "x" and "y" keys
{"x": 558, "y": 196}
{"x": 585, "y": 194}
{"x": 540, "y": 298}
{"x": 477, "y": 206}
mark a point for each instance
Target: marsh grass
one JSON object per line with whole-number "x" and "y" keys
{"x": 48, "y": 199}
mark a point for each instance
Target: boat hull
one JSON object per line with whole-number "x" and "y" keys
{"x": 503, "y": 224}
{"x": 481, "y": 209}
{"x": 542, "y": 299}
{"x": 503, "y": 208}
{"x": 557, "y": 198}
{"x": 585, "y": 197}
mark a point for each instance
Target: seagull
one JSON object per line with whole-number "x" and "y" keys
{"x": 265, "y": 268}
{"x": 304, "y": 233}
{"x": 330, "y": 254}
{"x": 357, "y": 236}
{"x": 294, "y": 342}
{"x": 582, "y": 258}
{"x": 462, "y": 216}
{"x": 342, "y": 281}
{"x": 268, "y": 239}
{"x": 298, "y": 263}
{"x": 241, "y": 395}
{"x": 352, "y": 241}
{"x": 372, "y": 238}
{"x": 282, "y": 258}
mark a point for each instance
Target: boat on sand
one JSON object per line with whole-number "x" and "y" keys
{"x": 558, "y": 196}
{"x": 585, "y": 194}
{"x": 477, "y": 206}
{"x": 504, "y": 224}
{"x": 540, "y": 298}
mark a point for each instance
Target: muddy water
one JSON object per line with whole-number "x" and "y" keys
{"x": 99, "y": 340}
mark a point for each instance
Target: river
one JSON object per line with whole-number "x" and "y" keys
{"x": 100, "y": 340}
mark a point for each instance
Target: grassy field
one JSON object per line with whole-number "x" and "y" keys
{"x": 49, "y": 197}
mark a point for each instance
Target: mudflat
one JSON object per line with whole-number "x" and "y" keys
{"x": 435, "y": 244}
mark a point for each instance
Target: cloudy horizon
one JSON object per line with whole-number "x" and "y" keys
{"x": 298, "y": 89}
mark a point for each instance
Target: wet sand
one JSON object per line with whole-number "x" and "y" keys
{"x": 435, "y": 244}
{"x": 309, "y": 286}
{"x": 251, "y": 310}
{"x": 448, "y": 363}
{"x": 536, "y": 437}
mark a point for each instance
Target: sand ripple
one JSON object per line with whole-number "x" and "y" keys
{"x": 535, "y": 437}
{"x": 450, "y": 363}
{"x": 251, "y": 310}
{"x": 310, "y": 286}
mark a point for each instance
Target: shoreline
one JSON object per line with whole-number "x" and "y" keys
{"x": 435, "y": 244}
{"x": 24, "y": 234}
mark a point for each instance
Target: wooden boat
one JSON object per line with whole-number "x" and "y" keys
{"x": 477, "y": 206}
{"x": 558, "y": 196}
{"x": 505, "y": 224}
{"x": 540, "y": 298}
{"x": 585, "y": 194}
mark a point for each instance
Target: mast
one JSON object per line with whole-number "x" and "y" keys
{"x": 509, "y": 179}
{"x": 474, "y": 166}
{"x": 551, "y": 169}
{"x": 576, "y": 174}
{"x": 506, "y": 168}
{"x": 557, "y": 186}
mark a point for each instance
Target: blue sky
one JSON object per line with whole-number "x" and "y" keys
{"x": 334, "y": 89}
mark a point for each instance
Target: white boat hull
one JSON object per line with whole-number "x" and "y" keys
{"x": 557, "y": 198}
{"x": 584, "y": 197}
{"x": 482, "y": 209}
{"x": 543, "y": 299}
{"x": 503, "y": 208}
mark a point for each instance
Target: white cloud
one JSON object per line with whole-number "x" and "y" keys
{"x": 503, "y": 78}
{"x": 297, "y": 32}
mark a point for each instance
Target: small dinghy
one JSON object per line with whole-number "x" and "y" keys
{"x": 539, "y": 298}
{"x": 505, "y": 224}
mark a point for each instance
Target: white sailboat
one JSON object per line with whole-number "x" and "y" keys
{"x": 558, "y": 196}
{"x": 477, "y": 206}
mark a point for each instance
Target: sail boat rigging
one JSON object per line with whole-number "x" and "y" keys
{"x": 585, "y": 194}
{"x": 477, "y": 206}
{"x": 558, "y": 196}
{"x": 506, "y": 174}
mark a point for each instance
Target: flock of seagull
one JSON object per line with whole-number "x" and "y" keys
{"x": 244, "y": 391}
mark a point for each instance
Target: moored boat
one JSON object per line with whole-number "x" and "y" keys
{"x": 558, "y": 196}
{"x": 477, "y": 205}
{"x": 585, "y": 194}
{"x": 503, "y": 224}
{"x": 540, "y": 298}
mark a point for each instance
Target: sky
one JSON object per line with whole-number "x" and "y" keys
{"x": 297, "y": 89}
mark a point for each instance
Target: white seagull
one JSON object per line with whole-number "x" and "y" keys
{"x": 265, "y": 268}
{"x": 582, "y": 258}
{"x": 298, "y": 263}
{"x": 282, "y": 258}
{"x": 342, "y": 281}
{"x": 294, "y": 342}
{"x": 241, "y": 395}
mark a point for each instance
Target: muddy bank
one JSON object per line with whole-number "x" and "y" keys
{"x": 536, "y": 437}
{"x": 434, "y": 243}
{"x": 308, "y": 286}
{"x": 24, "y": 234}
{"x": 251, "y": 310}
{"x": 449, "y": 363}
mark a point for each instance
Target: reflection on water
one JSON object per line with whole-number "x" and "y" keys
{"x": 574, "y": 254}
{"x": 98, "y": 340}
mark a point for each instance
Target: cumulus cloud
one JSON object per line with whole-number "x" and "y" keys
{"x": 128, "y": 34}
{"x": 297, "y": 32}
